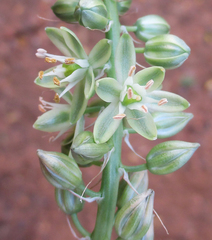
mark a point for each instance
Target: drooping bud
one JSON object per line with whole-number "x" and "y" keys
{"x": 169, "y": 156}
{"x": 150, "y": 26}
{"x": 134, "y": 218}
{"x": 64, "y": 10}
{"x": 60, "y": 170}
{"x": 92, "y": 14}
{"x": 123, "y": 6}
{"x": 139, "y": 181}
{"x": 168, "y": 51}
{"x": 85, "y": 150}
{"x": 169, "y": 124}
{"x": 67, "y": 202}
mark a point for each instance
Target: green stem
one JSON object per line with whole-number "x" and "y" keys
{"x": 89, "y": 192}
{"x": 110, "y": 176}
{"x": 78, "y": 225}
{"x": 138, "y": 168}
{"x": 93, "y": 109}
{"x": 139, "y": 50}
{"x": 131, "y": 28}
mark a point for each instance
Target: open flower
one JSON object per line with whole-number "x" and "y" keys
{"x": 134, "y": 98}
{"x": 75, "y": 64}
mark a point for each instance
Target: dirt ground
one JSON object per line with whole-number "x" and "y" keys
{"x": 27, "y": 207}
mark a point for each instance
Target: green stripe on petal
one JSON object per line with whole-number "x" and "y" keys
{"x": 89, "y": 83}
{"x": 56, "y": 36}
{"x": 142, "y": 123}
{"x": 108, "y": 89}
{"x": 175, "y": 102}
{"x": 156, "y": 74}
{"x": 54, "y": 120}
{"x": 73, "y": 43}
{"x": 169, "y": 124}
{"x": 100, "y": 54}
{"x": 79, "y": 102}
{"x": 105, "y": 126}
{"x": 125, "y": 57}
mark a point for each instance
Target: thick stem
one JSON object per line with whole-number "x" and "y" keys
{"x": 110, "y": 176}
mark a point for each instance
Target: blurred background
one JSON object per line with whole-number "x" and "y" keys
{"x": 28, "y": 210}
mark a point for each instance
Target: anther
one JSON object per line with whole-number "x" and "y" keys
{"x": 131, "y": 71}
{"x": 41, "y": 108}
{"x": 69, "y": 60}
{"x": 149, "y": 84}
{"x": 119, "y": 116}
{"x": 144, "y": 108}
{"x": 50, "y": 60}
{"x": 129, "y": 93}
{"x": 40, "y": 74}
{"x": 56, "y": 81}
{"x": 41, "y": 50}
{"x": 56, "y": 98}
{"x": 162, "y": 101}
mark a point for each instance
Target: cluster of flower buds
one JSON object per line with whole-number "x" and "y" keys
{"x": 91, "y": 14}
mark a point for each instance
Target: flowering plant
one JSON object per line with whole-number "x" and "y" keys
{"x": 122, "y": 102}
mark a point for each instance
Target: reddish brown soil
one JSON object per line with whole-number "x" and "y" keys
{"x": 27, "y": 207}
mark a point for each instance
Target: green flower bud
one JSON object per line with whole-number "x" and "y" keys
{"x": 60, "y": 170}
{"x": 150, "y": 26}
{"x": 134, "y": 218}
{"x": 85, "y": 150}
{"x": 64, "y": 10}
{"x": 166, "y": 50}
{"x": 123, "y": 6}
{"x": 67, "y": 202}
{"x": 139, "y": 181}
{"x": 169, "y": 156}
{"x": 92, "y": 14}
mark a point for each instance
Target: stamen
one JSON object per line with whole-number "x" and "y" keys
{"x": 56, "y": 98}
{"x": 131, "y": 71}
{"x": 69, "y": 60}
{"x": 40, "y": 74}
{"x": 50, "y": 60}
{"x": 149, "y": 84}
{"x": 119, "y": 116}
{"x": 162, "y": 101}
{"x": 129, "y": 93}
{"x": 144, "y": 108}
{"x": 41, "y": 108}
{"x": 56, "y": 81}
{"x": 41, "y": 50}
{"x": 40, "y": 55}
{"x": 138, "y": 98}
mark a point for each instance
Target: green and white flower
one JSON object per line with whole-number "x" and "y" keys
{"x": 135, "y": 98}
{"x": 75, "y": 64}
